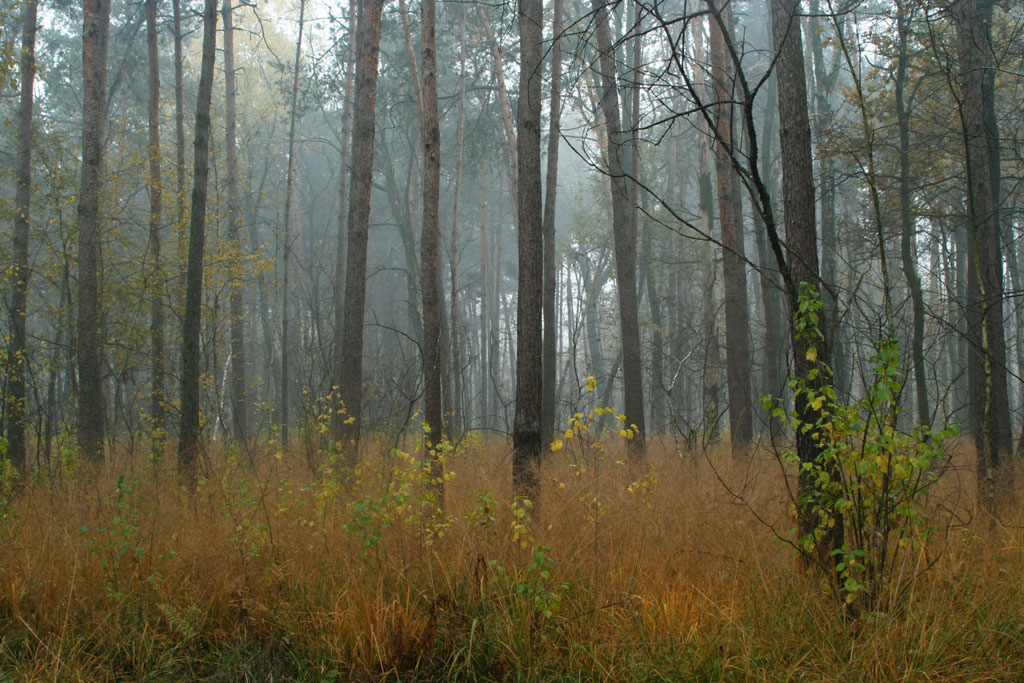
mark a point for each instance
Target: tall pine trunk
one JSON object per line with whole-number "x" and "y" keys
{"x": 17, "y": 405}
{"x": 239, "y": 410}
{"x": 624, "y": 236}
{"x": 526, "y": 436}
{"x": 91, "y": 412}
{"x": 189, "y": 431}
{"x": 156, "y": 285}
{"x": 737, "y": 312}
{"x": 287, "y": 236}
{"x": 429, "y": 247}
{"x": 548, "y": 361}
{"x": 360, "y": 191}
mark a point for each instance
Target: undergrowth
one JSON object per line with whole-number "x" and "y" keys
{"x": 276, "y": 570}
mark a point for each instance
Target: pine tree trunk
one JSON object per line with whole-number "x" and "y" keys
{"x": 344, "y": 173}
{"x": 429, "y": 247}
{"x": 801, "y": 243}
{"x": 364, "y": 125}
{"x": 156, "y": 284}
{"x": 239, "y": 409}
{"x": 624, "y": 234}
{"x": 287, "y": 236}
{"x": 987, "y": 356}
{"x": 548, "y": 361}
{"x": 189, "y": 431}
{"x": 91, "y": 411}
{"x": 737, "y": 315}
{"x": 17, "y": 406}
{"x": 526, "y": 436}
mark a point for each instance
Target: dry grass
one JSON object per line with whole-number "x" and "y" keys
{"x": 261, "y": 576}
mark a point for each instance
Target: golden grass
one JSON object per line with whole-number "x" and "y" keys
{"x": 260, "y": 576}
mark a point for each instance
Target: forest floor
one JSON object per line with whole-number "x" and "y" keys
{"x": 277, "y": 570}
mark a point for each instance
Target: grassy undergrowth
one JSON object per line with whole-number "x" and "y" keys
{"x": 275, "y": 572}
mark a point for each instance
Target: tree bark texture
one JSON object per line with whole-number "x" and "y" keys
{"x": 17, "y": 405}
{"x": 156, "y": 283}
{"x": 526, "y": 436}
{"x": 548, "y": 361}
{"x": 624, "y": 234}
{"x": 189, "y": 431}
{"x": 236, "y": 324}
{"x": 737, "y": 316}
{"x": 985, "y": 333}
{"x": 91, "y": 412}
{"x": 360, "y": 188}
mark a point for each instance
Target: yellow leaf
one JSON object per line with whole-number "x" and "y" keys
{"x": 812, "y": 354}
{"x": 556, "y": 445}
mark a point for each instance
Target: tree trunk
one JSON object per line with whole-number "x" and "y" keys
{"x": 458, "y": 418}
{"x": 548, "y": 362}
{"x": 288, "y": 199}
{"x": 526, "y": 437}
{"x": 91, "y": 413}
{"x": 156, "y": 285}
{"x": 485, "y": 299}
{"x": 17, "y": 405}
{"x": 737, "y": 316}
{"x": 179, "y": 111}
{"x": 189, "y": 431}
{"x": 987, "y": 359}
{"x": 924, "y": 415}
{"x": 624, "y": 233}
{"x": 506, "y": 111}
{"x": 360, "y": 190}
{"x": 801, "y": 267}
{"x": 340, "y": 251}
{"x": 239, "y": 410}
{"x": 430, "y": 240}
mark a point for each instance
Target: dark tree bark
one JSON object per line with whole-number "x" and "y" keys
{"x": 506, "y": 110}
{"x": 17, "y": 405}
{"x": 987, "y": 354}
{"x": 624, "y": 229}
{"x": 709, "y": 309}
{"x": 907, "y": 255}
{"x": 156, "y": 193}
{"x": 737, "y": 316}
{"x": 801, "y": 241}
{"x": 287, "y": 236}
{"x": 179, "y": 111}
{"x": 526, "y": 436}
{"x": 239, "y": 411}
{"x": 458, "y": 418}
{"x": 341, "y": 248}
{"x": 364, "y": 124}
{"x": 548, "y": 362}
{"x": 189, "y": 431}
{"x": 429, "y": 246}
{"x": 91, "y": 412}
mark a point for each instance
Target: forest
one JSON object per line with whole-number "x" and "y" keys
{"x": 570, "y": 340}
